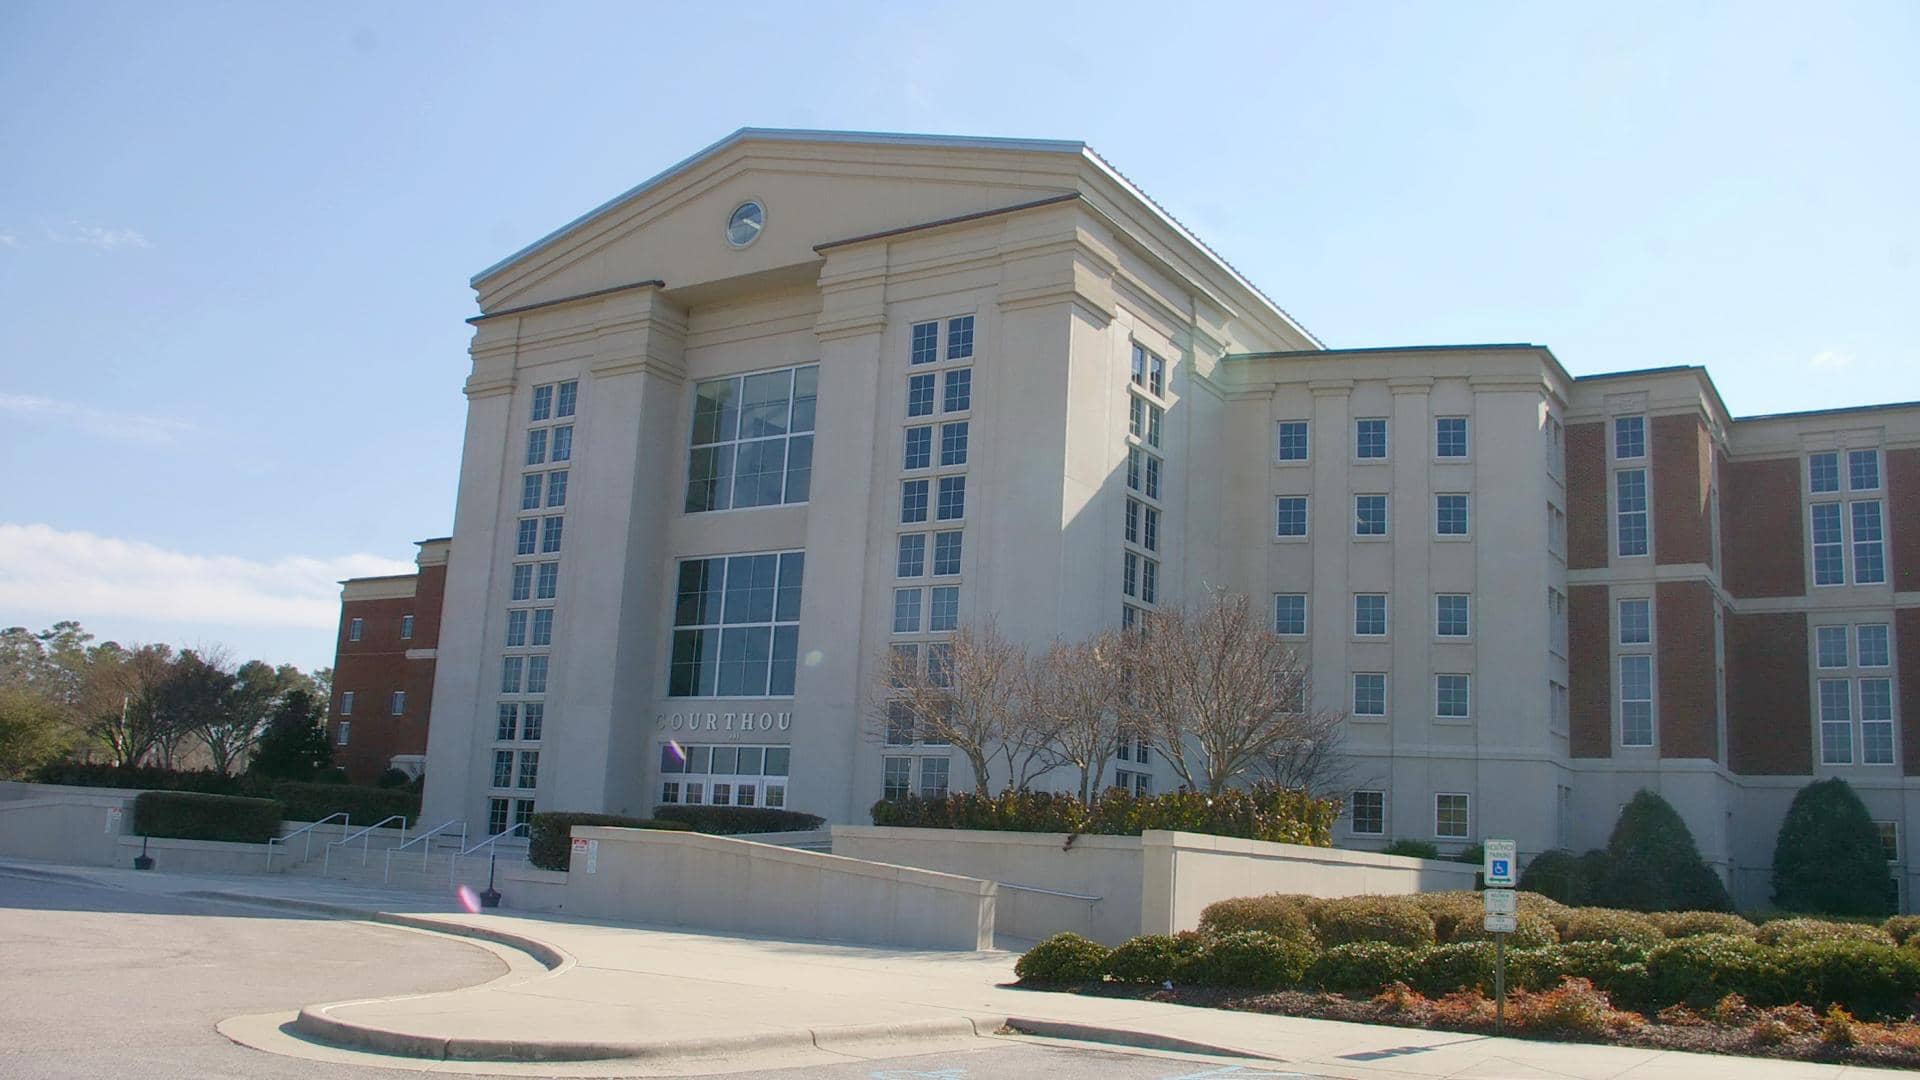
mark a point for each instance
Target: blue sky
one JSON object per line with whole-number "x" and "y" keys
{"x": 235, "y": 238}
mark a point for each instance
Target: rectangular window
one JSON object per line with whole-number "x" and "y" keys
{"x": 354, "y": 629}
{"x": 1451, "y": 694}
{"x": 913, "y": 501}
{"x": 1636, "y": 701}
{"x": 1132, "y": 522}
{"x": 1450, "y": 615}
{"x": 512, "y": 671}
{"x": 1836, "y": 722}
{"x": 542, "y": 626}
{"x": 919, "y": 453}
{"x": 1450, "y": 817}
{"x": 920, "y": 395}
{"x": 1869, "y": 551}
{"x": 1370, "y": 614}
{"x": 1369, "y": 694}
{"x": 1370, "y": 439}
{"x": 897, "y": 782}
{"x": 529, "y": 769}
{"x": 530, "y": 491}
{"x": 507, "y": 722}
{"x": 899, "y": 724}
{"x": 912, "y": 560}
{"x": 1830, "y": 646}
{"x": 1153, "y": 477}
{"x": 397, "y": 703}
{"x": 1134, "y": 458}
{"x": 953, "y": 443}
{"x": 1290, "y": 440}
{"x": 536, "y": 674}
{"x": 1149, "y": 581}
{"x": 1290, "y": 517}
{"x": 534, "y": 718}
{"x": 1130, "y": 574}
{"x": 537, "y": 446}
{"x": 567, "y": 396}
{"x": 957, "y": 391}
{"x": 502, "y": 768}
{"x": 752, "y": 440}
{"x": 346, "y": 703}
{"x": 549, "y": 583}
{"x": 1450, "y": 437}
{"x": 1450, "y": 515}
{"x": 1290, "y": 614}
{"x": 1876, "y": 721}
{"x": 527, "y": 536}
{"x": 944, "y": 613}
{"x": 960, "y": 337}
{"x": 1369, "y": 813}
{"x": 496, "y": 816}
{"x": 1155, "y": 415}
{"x": 562, "y": 443}
{"x": 953, "y": 498}
{"x": 1636, "y": 622}
{"x": 550, "y": 534}
{"x": 1137, "y": 417}
{"x": 1630, "y": 511}
{"x": 1152, "y": 533}
{"x": 516, "y": 629}
{"x": 1369, "y": 515}
{"x": 1137, "y": 366}
{"x": 522, "y": 582}
{"x": 939, "y": 665}
{"x": 406, "y": 628}
{"x": 1873, "y": 645}
{"x": 542, "y": 407}
{"x": 1823, "y": 473}
{"x": 946, "y": 554}
{"x": 1863, "y": 470}
{"x": 557, "y": 488}
{"x": 1889, "y": 839}
{"x": 1156, "y": 376}
{"x": 523, "y": 813}
{"x": 1829, "y": 560}
{"x": 933, "y": 778}
{"x": 925, "y": 347}
{"x": 736, "y": 626}
{"x": 906, "y": 611}
{"x": 1629, "y": 437}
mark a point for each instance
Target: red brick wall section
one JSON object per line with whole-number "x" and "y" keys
{"x": 429, "y": 593}
{"x": 1589, "y": 682}
{"x": 1689, "y": 727}
{"x": 1586, "y": 496}
{"x": 1903, "y": 515}
{"x": 1760, "y": 529}
{"x": 1681, "y": 475}
{"x": 373, "y": 668}
{"x": 1906, "y": 631}
{"x": 1769, "y": 711}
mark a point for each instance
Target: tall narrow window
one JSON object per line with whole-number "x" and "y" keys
{"x": 1836, "y": 722}
{"x": 522, "y": 581}
{"x": 919, "y": 449}
{"x": 530, "y": 492}
{"x": 920, "y": 395}
{"x": 944, "y": 611}
{"x": 537, "y": 446}
{"x": 1630, "y": 511}
{"x": 557, "y": 488}
{"x": 354, "y": 629}
{"x": 549, "y": 582}
{"x": 566, "y": 398}
{"x": 542, "y": 407}
{"x": 1636, "y": 700}
{"x": 1876, "y": 721}
{"x": 1829, "y": 558}
{"x": 953, "y": 498}
{"x": 946, "y": 553}
{"x": 397, "y": 703}
{"x": 1869, "y": 550}
{"x": 1863, "y": 470}
{"x": 913, "y": 501}
{"x": 953, "y": 443}
{"x": 406, "y": 628}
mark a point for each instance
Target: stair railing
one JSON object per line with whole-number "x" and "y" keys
{"x": 364, "y": 836}
{"x": 425, "y": 840}
{"x": 345, "y": 823}
{"x": 454, "y": 863}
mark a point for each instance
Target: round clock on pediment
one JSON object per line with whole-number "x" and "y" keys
{"x": 745, "y": 223}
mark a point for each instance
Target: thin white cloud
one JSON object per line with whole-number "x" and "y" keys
{"x": 9, "y": 240}
{"x": 60, "y": 574}
{"x": 97, "y": 236}
{"x": 1831, "y": 360}
{"x": 103, "y": 423}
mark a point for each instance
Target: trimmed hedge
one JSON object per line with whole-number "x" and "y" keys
{"x": 1248, "y": 959}
{"x": 1365, "y": 967}
{"x": 1685, "y": 924}
{"x": 549, "y": 844}
{"x": 151, "y": 778}
{"x": 1152, "y": 958}
{"x": 1413, "y": 849}
{"x": 1062, "y": 958}
{"x": 1391, "y": 920}
{"x": 1607, "y": 924}
{"x": 1264, "y": 812}
{"x": 737, "y": 820}
{"x": 192, "y": 815}
{"x": 1809, "y": 931}
{"x": 1901, "y": 928}
{"x": 1281, "y": 914}
{"x": 365, "y": 805}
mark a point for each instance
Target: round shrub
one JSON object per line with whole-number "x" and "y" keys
{"x": 1686, "y": 924}
{"x": 1653, "y": 864}
{"x": 1868, "y": 980}
{"x": 1150, "y": 958}
{"x": 1827, "y": 859}
{"x": 1364, "y": 967}
{"x": 1618, "y": 967}
{"x": 1559, "y": 874}
{"x": 1699, "y": 971}
{"x": 1787, "y": 932}
{"x": 1390, "y": 919}
{"x": 1607, "y": 924}
{"x": 1249, "y": 958}
{"x": 1282, "y": 914}
{"x": 1901, "y": 928}
{"x": 1062, "y": 958}
{"x": 1539, "y": 968}
{"x": 1464, "y": 965}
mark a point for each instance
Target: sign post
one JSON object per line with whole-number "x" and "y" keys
{"x": 1502, "y": 910}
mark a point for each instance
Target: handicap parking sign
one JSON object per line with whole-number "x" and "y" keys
{"x": 1500, "y": 856}
{"x": 1500, "y": 868}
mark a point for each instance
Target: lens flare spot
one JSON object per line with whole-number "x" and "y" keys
{"x": 814, "y": 657}
{"x": 469, "y": 900}
{"x": 678, "y": 750}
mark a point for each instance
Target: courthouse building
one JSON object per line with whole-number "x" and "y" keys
{"x": 809, "y": 397}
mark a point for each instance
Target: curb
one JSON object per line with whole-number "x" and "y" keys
{"x": 1142, "y": 1040}
{"x": 551, "y": 958}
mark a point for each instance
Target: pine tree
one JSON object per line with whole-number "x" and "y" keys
{"x": 1652, "y": 863}
{"x": 1828, "y": 859}
{"x": 295, "y": 745}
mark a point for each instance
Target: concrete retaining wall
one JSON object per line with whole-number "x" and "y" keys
{"x": 719, "y": 883}
{"x": 65, "y": 825}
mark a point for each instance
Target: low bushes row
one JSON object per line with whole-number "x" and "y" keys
{"x": 193, "y": 815}
{"x": 363, "y": 805}
{"x": 302, "y": 801}
{"x": 550, "y": 835}
{"x": 738, "y": 820}
{"x": 1866, "y": 978}
{"x": 1264, "y": 812}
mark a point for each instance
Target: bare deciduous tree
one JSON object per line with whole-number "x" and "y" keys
{"x": 964, "y": 691}
{"x": 1217, "y": 692}
{"x": 1073, "y": 691}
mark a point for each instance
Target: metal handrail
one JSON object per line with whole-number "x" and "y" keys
{"x": 1049, "y": 892}
{"x": 426, "y": 849}
{"x": 454, "y": 863}
{"x": 326, "y": 862}
{"x": 345, "y": 823}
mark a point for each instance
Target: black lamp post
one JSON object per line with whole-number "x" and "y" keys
{"x": 143, "y": 861}
{"x": 491, "y": 897}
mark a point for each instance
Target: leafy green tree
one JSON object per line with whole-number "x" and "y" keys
{"x": 295, "y": 745}
{"x": 1652, "y": 863}
{"x": 33, "y": 731}
{"x": 1828, "y": 859}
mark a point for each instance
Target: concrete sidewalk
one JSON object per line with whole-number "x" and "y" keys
{"x": 647, "y": 993}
